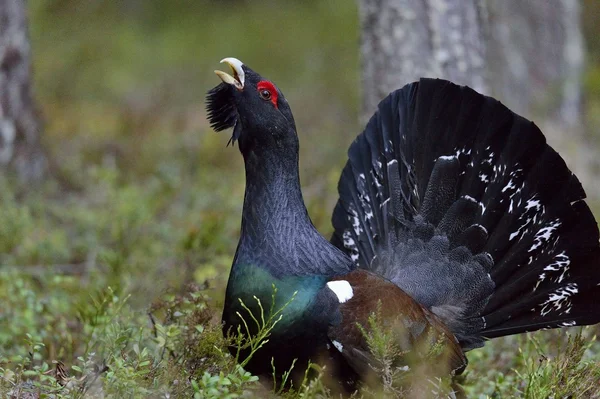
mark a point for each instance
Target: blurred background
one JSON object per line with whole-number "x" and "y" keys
{"x": 138, "y": 194}
{"x": 131, "y": 159}
{"x": 121, "y": 88}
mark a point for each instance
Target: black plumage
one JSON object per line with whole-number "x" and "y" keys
{"x": 220, "y": 108}
{"x": 454, "y": 215}
{"x": 511, "y": 245}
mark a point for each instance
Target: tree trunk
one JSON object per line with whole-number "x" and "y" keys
{"x": 20, "y": 127}
{"x": 403, "y": 40}
{"x": 536, "y": 60}
{"x": 536, "y": 56}
{"x": 528, "y": 54}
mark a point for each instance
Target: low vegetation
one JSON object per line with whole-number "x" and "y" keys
{"x": 112, "y": 272}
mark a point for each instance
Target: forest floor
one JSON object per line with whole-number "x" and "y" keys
{"x": 112, "y": 272}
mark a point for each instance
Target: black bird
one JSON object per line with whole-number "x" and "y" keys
{"x": 455, "y": 220}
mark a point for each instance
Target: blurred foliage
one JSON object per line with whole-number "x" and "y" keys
{"x": 142, "y": 213}
{"x": 591, "y": 84}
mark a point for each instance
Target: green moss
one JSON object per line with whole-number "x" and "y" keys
{"x": 145, "y": 200}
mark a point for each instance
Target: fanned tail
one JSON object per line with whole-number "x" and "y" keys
{"x": 462, "y": 204}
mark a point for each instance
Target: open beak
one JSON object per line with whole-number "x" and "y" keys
{"x": 237, "y": 80}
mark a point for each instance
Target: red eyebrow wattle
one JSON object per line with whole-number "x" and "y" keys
{"x": 266, "y": 85}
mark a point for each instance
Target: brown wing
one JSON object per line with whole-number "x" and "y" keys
{"x": 377, "y": 308}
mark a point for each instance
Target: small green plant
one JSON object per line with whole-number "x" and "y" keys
{"x": 536, "y": 365}
{"x": 231, "y": 382}
{"x": 401, "y": 371}
{"x": 565, "y": 375}
{"x": 384, "y": 348}
{"x": 312, "y": 386}
{"x": 245, "y": 340}
{"x": 280, "y": 386}
{"x": 221, "y": 385}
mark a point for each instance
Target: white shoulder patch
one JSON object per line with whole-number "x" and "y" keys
{"x": 342, "y": 289}
{"x": 338, "y": 346}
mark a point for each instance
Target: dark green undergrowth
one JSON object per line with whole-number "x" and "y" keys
{"x": 56, "y": 342}
{"x": 112, "y": 271}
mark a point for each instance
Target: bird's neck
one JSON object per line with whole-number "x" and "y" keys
{"x": 277, "y": 233}
{"x": 273, "y": 205}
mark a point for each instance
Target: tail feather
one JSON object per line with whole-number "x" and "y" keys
{"x": 459, "y": 217}
{"x": 462, "y": 204}
{"x": 440, "y": 193}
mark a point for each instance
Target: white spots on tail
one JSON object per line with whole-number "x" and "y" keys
{"x": 499, "y": 171}
{"x": 518, "y": 232}
{"x": 490, "y": 159}
{"x": 540, "y": 280}
{"x": 568, "y": 323}
{"x": 348, "y": 240}
{"x": 376, "y": 180}
{"x": 469, "y": 198}
{"x": 377, "y": 177}
{"x": 514, "y": 186}
{"x": 354, "y": 219}
{"x": 384, "y": 202}
{"x": 342, "y": 289}
{"x": 532, "y": 212}
{"x": 364, "y": 199}
{"x": 561, "y": 264}
{"x": 559, "y": 300}
{"x": 448, "y": 157}
{"x": 484, "y": 177}
{"x": 338, "y": 345}
{"x": 350, "y": 244}
{"x": 509, "y": 185}
{"x": 522, "y": 229}
{"x": 482, "y": 206}
{"x": 533, "y": 203}
{"x": 463, "y": 151}
{"x": 515, "y": 194}
{"x": 544, "y": 234}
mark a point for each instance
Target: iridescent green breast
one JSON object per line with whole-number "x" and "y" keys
{"x": 266, "y": 296}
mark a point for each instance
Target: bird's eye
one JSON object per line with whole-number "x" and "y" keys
{"x": 267, "y": 91}
{"x": 265, "y": 94}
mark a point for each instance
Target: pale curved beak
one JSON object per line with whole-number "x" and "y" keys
{"x": 237, "y": 80}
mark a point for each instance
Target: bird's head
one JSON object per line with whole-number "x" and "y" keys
{"x": 253, "y": 106}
